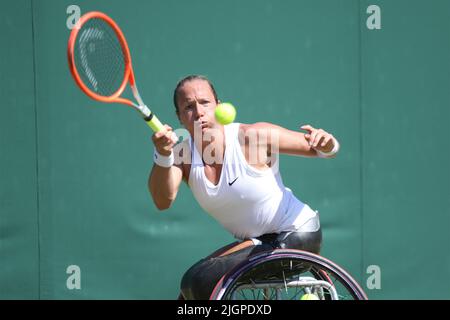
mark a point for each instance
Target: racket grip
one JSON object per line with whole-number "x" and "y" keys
{"x": 157, "y": 126}
{"x": 154, "y": 123}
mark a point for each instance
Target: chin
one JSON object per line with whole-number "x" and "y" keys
{"x": 206, "y": 129}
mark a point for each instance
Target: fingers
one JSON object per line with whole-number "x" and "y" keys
{"x": 316, "y": 135}
{"x": 317, "y": 138}
{"x": 307, "y": 127}
{"x": 307, "y": 136}
{"x": 174, "y": 137}
{"x": 323, "y": 142}
{"x": 326, "y": 140}
{"x": 164, "y": 140}
{"x": 164, "y": 132}
{"x": 171, "y": 134}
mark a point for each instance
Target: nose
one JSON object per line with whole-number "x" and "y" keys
{"x": 199, "y": 111}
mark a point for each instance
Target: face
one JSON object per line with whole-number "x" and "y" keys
{"x": 196, "y": 105}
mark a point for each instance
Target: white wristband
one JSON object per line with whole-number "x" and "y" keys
{"x": 322, "y": 154}
{"x": 163, "y": 161}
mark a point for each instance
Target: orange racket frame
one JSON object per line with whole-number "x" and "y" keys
{"x": 149, "y": 117}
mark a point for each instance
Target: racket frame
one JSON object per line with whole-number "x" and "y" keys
{"x": 148, "y": 116}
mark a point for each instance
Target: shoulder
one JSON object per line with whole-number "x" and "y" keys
{"x": 255, "y": 127}
{"x": 258, "y": 129}
{"x": 257, "y": 135}
{"x": 258, "y": 126}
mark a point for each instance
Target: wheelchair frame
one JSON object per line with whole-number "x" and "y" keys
{"x": 298, "y": 270}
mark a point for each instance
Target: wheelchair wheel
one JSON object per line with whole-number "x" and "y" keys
{"x": 287, "y": 275}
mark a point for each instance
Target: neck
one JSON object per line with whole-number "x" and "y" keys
{"x": 212, "y": 145}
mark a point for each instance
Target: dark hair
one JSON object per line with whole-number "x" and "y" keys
{"x": 187, "y": 79}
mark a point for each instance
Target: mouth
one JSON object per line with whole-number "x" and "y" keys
{"x": 201, "y": 125}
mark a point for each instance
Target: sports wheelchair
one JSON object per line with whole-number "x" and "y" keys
{"x": 287, "y": 274}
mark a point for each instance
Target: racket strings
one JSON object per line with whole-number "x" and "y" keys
{"x": 99, "y": 57}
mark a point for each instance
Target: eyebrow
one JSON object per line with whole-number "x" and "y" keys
{"x": 189, "y": 101}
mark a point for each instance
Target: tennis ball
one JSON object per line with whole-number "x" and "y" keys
{"x": 309, "y": 296}
{"x": 225, "y": 113}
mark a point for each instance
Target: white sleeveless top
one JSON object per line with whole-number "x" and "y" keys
{"x": 248, "y": 202}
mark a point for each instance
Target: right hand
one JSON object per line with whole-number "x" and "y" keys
{"x": 164, "y": 141}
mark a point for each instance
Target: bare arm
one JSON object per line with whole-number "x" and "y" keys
{"x": 163, "y": 183}
{"x": 280, "y": 140}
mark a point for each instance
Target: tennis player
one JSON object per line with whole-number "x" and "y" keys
{"x": 232, "y": 171}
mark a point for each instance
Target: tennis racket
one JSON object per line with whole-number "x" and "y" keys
{"x": 100, "y": 63}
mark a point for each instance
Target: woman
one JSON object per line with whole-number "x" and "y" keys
{"x": 232, "y": 173}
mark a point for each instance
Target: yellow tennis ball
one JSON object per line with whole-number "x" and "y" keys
{"x": 309, "y": 296}
{"x": 225, "y": 113}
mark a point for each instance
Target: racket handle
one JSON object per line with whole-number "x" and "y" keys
{"x": 156, "y": 125}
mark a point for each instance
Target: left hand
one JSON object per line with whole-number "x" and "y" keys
{"x": 318, "y": 139}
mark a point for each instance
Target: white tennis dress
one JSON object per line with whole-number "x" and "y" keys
{"x": 248, "y": 202}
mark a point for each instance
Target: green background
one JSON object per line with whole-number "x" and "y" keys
{"x": 74, "y": 171}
